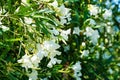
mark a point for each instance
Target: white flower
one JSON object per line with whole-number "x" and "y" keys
{"x": 41, "y": 54}
{"x": 50, "y": 45}
{"x": 85, "y": 53}
{"x": 25, "y": 2}
{"x": 4, "y": 28}
{"x": 110, "y": 71}
{"x": 118, "y": 8}
{"x": 107, "y": 14}
{"x": 64, "y": 11}
{"x": 54, "y": 31}
{"x": 116, "y": 29}
{"x": 94, "y": 10}
{"x": 83, "y": 44}
{"x": 26, "y": 62}
{"x": 93, "y": 34}
{"x": 53, "y": 61}
{"x": 89, "y": 31}
{"x": 115, "y": 2}
{"x": 28, "y": 20}
{"x": 54, "y": 53}
{"x": 66, "y": 48}
{"x": 109, "y": 29}
{"x": 108, "y": 3}
{"x": 35, "y": 60}
{"x": 92, "y": 22}
{"x": 77, "y": 70}
{"x": 118, "y": 64}
{"x": 94, "y": 37}
{"x": 54, "y": 4}
{"x": 77, "y": 75}
{"x": 64, "y": 14}
{"x": 63, "y": 20}
{"x": 97, "y": 55}
{"x": 106, "y": 56}
{"x": 65, "y": 33}
{"x": 76, "y": 30}
{"x": 33, "y": 75}
{"x": 77, "y": 66}
{"x": 117, "y": 18}
{"x": 49, "y": 48}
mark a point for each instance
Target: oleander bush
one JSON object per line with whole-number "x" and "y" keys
{"x": 59, "y": 39}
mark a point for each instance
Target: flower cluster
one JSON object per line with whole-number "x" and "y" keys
{"x": 98, "y": 22}
{"x": 47, "y": 49}
{"x": 93, "y": 34}
{"x": 61, "y": 11}
{"x": 3, "y": 27}
{"x": 77, "y": 70}
{"x": 60, "y": 39}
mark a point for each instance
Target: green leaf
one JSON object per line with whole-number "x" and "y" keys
{"x": 13, "y": 40}
{"x": 45, "y": 18}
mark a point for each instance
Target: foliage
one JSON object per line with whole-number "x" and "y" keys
{"x": 59, "y": 40}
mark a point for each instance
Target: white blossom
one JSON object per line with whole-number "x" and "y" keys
{"x": 25, "y": 2}
{"x": 77, "y": 70}
{"x": 102, "y": 46}
{"x": 50, "y": 45}
{"x": 65, "y": 33}
{"x": 64, "y": 14}
{"x": 115, "y": 2}
{"x": 76, "y": 30}
{"x": 89, "y": 31}
{"x": 66, "y": 48}
{"x": 97, "y": 55}
{"x": 64, "y": 11}
{"x": 63, "y": 20}
{"x": 107, "y": 14}
{"x": 25, "y": 61}
{"x": 4, "y": 28}
{"x": 83, "y": 44}
{"x": 53, "y": 61}
{"x": 118, "y": 64}
{"x": 109, "y": 29}
{"x": 106, "y": 56}
{"x": 93, "y": 34}
{"x": 118, "y": 8}
{"x": 94, "y": 10}
{"x": 85, "y": 53}
{"x": 92, "y": 22}
{"x": 77, "y": 66}
{"x": 54, "y": 31}
{"x": 94, "y": 37}
{"x": 110, "y": 71}
{"x": 28, "y": 20}
{"x": 33, "y": 75}
{"x": 48, "y": 49}
{"x": 35, "y": 60}
{"x": 108, "y": 3}
{"x": 41, "y": 53}
{"x": 54, "y": 4}
{"x": 117, "y": 18}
